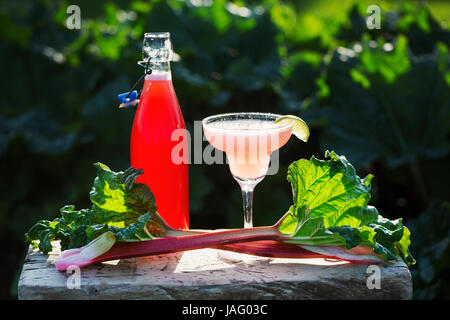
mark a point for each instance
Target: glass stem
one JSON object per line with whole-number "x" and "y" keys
{"x": 247, "y": 187}
{"x": 247, "y": 197}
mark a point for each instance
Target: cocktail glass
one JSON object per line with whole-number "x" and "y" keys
{"x": 248, "y": 139}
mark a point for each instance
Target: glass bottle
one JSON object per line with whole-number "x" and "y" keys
{"x": 159, "y": 142}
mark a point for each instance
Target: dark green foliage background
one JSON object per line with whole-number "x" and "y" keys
{"x": 380, "y": 97}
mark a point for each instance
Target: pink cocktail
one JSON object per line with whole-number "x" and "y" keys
{"x": 248, "y": 139}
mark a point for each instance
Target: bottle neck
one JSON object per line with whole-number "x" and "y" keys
{"x": 160, "y": 71}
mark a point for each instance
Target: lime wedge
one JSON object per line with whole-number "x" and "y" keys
{"x": 299, "y": 127}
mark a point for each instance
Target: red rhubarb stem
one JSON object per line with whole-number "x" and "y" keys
{"x": 189, "y": 242}
{"x": 271, "y": 248}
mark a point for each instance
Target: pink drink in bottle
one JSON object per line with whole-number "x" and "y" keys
{"x": 157, "y": 118}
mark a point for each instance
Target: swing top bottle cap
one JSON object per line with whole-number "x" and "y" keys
{"x": 157, "y": 47}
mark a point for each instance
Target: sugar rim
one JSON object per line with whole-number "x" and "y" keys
{"x": 245, "y": 116}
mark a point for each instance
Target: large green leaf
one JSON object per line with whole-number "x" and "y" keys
{"x": 119, "y": 204}
{"x": 328, "y": 187}
{"x": 118, "y": 196}
{"x": 331, "y": 209}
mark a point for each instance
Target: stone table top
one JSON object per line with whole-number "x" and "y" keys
{"x": 206, "y": 274}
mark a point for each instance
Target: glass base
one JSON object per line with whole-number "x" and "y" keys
{"x": 236, "y": 257}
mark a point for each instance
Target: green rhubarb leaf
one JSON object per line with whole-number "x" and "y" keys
{"x": 358, "y": 216}
{"x": 331, "y": 209}
{"x": 394, "y": 236}
{"x": 119, "y": 197}
{"x": 136, "y": 231}
{"x": 119, "y": 204}
{"x": 328, "y": 187}
{"x": 305, "y": 230}
{"x": 77, "y": 237}
{"x": 351, "y": 235}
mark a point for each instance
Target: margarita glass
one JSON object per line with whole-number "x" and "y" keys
{"x": 248, "y": 139}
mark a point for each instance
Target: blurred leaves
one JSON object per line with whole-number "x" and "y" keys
{"x": 48, "y": 139}
{"x": 380, "y": 101}
{"x": 431, "y": 247}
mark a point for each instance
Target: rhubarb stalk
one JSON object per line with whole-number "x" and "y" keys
{"x": 239, "y": 240}
{"x": 86, "y": 255}
{"x": 329, "y": 216}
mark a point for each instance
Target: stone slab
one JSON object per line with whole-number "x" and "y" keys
{"x": 206, "y": 274}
